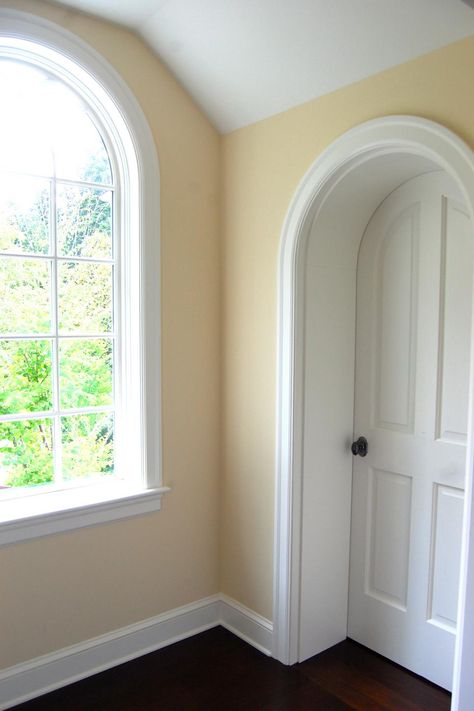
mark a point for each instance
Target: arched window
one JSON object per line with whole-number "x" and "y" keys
{"x": 78, "y": 244}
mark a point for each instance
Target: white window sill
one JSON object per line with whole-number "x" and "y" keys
{"x": 30, "y": 517}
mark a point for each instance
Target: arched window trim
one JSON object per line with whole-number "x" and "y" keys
{"x": 40, "y": 42}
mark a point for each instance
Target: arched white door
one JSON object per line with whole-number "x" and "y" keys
{"x": 414, "y": 293}
{"x": 333, "y": 200}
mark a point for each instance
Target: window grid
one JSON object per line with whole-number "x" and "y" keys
{"x": 54, "y": 336}
{"x": 41, "y": 415}
{"x": 53, "y": 247}
{"x": 60, "y": 258}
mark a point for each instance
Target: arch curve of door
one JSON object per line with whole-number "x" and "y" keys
{"x": 323, "y": 229}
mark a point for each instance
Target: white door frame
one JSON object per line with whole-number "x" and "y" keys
{"x": 385, "y": 136}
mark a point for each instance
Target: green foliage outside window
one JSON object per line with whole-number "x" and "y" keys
{"x": 85, "y": 364}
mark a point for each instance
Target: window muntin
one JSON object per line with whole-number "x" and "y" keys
{"x": 58, "y": 286}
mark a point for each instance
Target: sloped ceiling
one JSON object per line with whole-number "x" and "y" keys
{"x": 245, "y": 60}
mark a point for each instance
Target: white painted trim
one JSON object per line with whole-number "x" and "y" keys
{"x": 246, "y": 624}
{"x": 389, "y": 135}
{"x": 65, "y": 512}
{"x": 103, "y": 88}
{"x": 52, "y": 671}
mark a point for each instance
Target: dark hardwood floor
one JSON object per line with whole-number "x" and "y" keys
{"x": 216, "y": 671}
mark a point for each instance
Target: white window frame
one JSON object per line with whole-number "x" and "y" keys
{"x": 40, "y": 42}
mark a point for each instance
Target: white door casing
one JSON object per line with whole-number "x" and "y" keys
{"x": 414, "y": 292}
{"x": 368, "y": 161}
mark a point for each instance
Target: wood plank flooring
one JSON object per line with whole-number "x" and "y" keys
{"x": 216, "y": 671}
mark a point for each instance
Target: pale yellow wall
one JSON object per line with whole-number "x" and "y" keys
{"x": 262, "y": 166}
{"x": 66, "y": 588}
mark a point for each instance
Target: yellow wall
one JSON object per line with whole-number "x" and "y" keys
{"x": 66, "y": 588}
{"x": 262, "y": 167}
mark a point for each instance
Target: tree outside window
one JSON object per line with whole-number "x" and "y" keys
{"x": 57, "y": 286}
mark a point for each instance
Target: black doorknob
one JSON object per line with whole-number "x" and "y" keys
{"x": 360, "y": 447}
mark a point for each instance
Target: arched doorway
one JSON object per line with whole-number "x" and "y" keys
{"x": 322, "y": 233}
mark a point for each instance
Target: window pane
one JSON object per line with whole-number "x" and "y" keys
{"x": 88, "y": 445}
{"x": 78, "y": 148}
{"x": 25, "y": 376}
{"x": 25, "y": 126}
{"x": 23, "y": 147}
{"x": 26, "y": 452}
{"x": 85, "y": 297}
{"x": 24, "y": 215}
{"x": 85, "y": 372}
{"x": 84, "y": 222}
{"x": 46, "y": 118}
{"x": 79, "y": 151}
{"x": 25, "y": 299}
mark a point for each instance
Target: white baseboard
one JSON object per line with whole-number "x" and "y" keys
{"x": 246, "y": 624}
{"x": 52, "y": 671}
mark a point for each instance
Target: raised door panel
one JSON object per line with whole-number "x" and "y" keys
{"x": 396, "y": 324}
{"x": 389, "y": 515}
{"x": 446, "y": 536}
{"x": 455, "y": 323}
